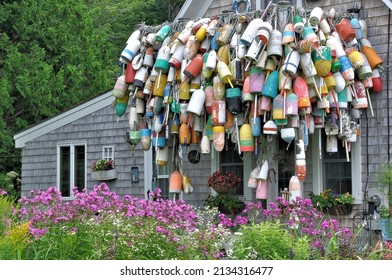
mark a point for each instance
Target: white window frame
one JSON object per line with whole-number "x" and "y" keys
{"x": 71, "y": 145}
{"x": 108, "y": 153}
{"x": 356, "y": 167}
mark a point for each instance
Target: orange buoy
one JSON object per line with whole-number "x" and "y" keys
{"x": 175, "y": 182}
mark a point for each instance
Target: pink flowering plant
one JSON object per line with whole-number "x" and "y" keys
{"x": 226, "y": 179}
{"x": 98, "y": 224}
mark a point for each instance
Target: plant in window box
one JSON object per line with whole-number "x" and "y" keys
{"x": 223, "y": 182}
{"x": 385, "y": 181}
{"x": 103, "y": 170}
{"x": 333, "y": 204}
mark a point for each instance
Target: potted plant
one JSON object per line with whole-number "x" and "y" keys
{"x": 103, "y": 170}
{"x": 226, "y": 203}
{"x": 333, "y": 204}
{"x": 385, "y": 181}
{"x": 223, "y": 182}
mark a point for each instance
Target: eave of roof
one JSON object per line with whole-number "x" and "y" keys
{"x": 72, "y": 114}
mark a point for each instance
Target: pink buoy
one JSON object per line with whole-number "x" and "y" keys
{"x": 262, "y": 189}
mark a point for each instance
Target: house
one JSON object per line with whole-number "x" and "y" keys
{"x": 59, "y": 151}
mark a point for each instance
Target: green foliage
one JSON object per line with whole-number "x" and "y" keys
{"x": 226, "y": 203}
{"x": 266, "y": 241}
{"x": 54, "y": 55}
{"x": 327, "y": 199}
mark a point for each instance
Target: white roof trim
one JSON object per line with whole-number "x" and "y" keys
{"x": 388, "y": 3}
{"x": 193, "y": 9}
{"x": 62, "y": 119}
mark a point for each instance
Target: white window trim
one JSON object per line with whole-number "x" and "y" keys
{"x": 356, "y": 167}
{"x": 110, "y": 154}
{"x": 72, "y": 160}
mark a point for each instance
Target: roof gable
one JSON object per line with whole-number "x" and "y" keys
{"x": 193, "y": 9}
{"x": 64, "y": 118}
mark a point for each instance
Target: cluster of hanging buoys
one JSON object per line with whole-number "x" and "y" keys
{"x": 234, "y": 77}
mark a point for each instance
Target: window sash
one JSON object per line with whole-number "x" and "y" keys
{"x": 71, "y": 167}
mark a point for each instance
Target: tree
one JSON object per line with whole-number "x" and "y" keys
{"x": 55, "y": 54}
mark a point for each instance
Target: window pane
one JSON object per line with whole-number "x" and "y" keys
{"x": 230, "y": 160}
{"x": 65, "y": 161}
{"x": 80, "y": 167}
{"x": 337, "y": 171}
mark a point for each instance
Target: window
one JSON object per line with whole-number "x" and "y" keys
{"x": 231, "y": 160}
{"x": 161, "y": 174}
{"x": 71, "y": 168}
{"x": 337, "y": 170}
{"x": 108, "y": 152}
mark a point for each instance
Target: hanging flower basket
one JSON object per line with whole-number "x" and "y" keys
{"x": 221, "y": 189}
{"x": 104, "y": 175}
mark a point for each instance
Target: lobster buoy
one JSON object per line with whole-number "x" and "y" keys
{"x": 145, "y": 138}
{"x": 251, "y": 31}
{"x": 301, "y": 90}
{"x": 332, "y": 144}
{"x": 262, "y": 189}
{"x": 347, "y": 71}
{"x": 162, "y": 33}
{"x": 265, "y": 104}
{"x": 177, "y": 56}
{"x": 130, "y": 73}
{"x": 342, "y": 98}
{"x": 271, "y": 86}
{"x": 285, "y": 81}
{"x": 365, "y": 70}
{"x": 233, "y": 100}
{"x": 256, "y": 80}
{"x": 252, "y": 181}
{"x": 264, "y": 32}
{"x": 288, "y": 35}
{"x": 278, "y": 110}
{"x": 205, "y": 145}
{"x": 295, "y": 189}
{"x": 298, "y": 24}
{"x": 322, "y": 58}
{"x": 218, "y": 112}
{"x": 120, "y": 87}
{"x": 185, "y": 135}
{"x": 246, "y": 94}
{"x": 274, "y": 46}
{"x": 315, "y": 16}
{"x": 291, "y": 63}
{"x": 205, "y": 72}
{"x": 354, "y": 22}
{"x": 196, "y": 103}
{"x": 360, "y": 102}
{"x": 224, "y": 73}
{"x": 175, "y": 182}
{"x": 346, "y": 32}
{"x": 130, "y": 50}
{"x": 209, "y": 93}
{"x": 121, "y": 105}
{"x": 219, "y": 88}
{"x": 246, "y": 139}
{"x": 373, "y": 58}
{"x": 218, "y": 137}
{"x": 270, "y": 127}
{"x": 292, "y": 105}
{"x": 191, "y": 48}
{"x": 377, "y": 82}
{"x": 356, "y": 59}
{"x": 193, "y": 69}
